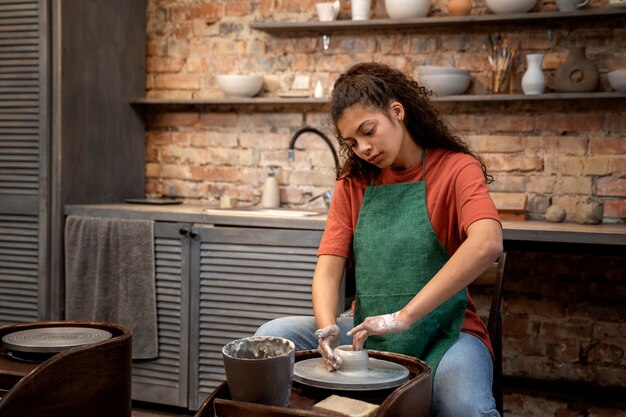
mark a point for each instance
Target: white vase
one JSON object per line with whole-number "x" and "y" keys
{"x": 533, "y": 81}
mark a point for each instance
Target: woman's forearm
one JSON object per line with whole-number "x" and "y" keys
{"x": 481, "y": 248}
{"x": 326, "y": 286}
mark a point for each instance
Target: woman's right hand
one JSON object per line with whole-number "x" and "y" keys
{"x": 327, "y": 341}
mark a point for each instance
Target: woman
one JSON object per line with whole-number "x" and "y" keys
{"x": 412, "y": 212}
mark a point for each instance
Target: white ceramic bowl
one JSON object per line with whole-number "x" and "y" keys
{"x": 407, "y": 9}
{"x": 510, "y": 6}
{"x": 434, "y": 70}
{"x": 617, "y": 80}
{"x": 446, "y": 84}
{"x": 240, "y": 85}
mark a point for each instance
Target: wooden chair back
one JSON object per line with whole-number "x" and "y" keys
{"x": 494, "y": 277}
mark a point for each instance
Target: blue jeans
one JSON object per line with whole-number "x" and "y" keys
{"x": 462, "y": 385}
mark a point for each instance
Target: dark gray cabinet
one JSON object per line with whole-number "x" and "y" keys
{"x": 67, "y": 133}
{"x": 216, "y": 284}
{"x": 242, "y": 277}
{"x": 165, "y": 379}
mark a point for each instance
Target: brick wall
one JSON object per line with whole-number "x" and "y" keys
{"x": 563, "y": 316}
{"x": 556, "y": 152}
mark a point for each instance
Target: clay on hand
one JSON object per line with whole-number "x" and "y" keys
{"x": 377, "y": 325}
{"x": 327, "y": 341}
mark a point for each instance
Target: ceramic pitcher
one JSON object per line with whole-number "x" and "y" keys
{"x": 533, "y": 81}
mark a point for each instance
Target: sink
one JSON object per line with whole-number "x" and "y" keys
{"x": 257, "y": 211}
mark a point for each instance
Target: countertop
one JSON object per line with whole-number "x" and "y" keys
{"x": 513, "y": 231}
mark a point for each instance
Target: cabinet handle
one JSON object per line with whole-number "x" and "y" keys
{"x": 183, "y": 231}
{"x": 193, "y": 234}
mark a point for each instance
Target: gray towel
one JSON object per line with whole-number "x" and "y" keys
{"x": 109, "y": 276}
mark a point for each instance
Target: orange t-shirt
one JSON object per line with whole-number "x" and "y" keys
{"x": 456, "y": 196}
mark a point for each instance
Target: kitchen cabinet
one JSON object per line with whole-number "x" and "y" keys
{"x": 67, "y": 133}
{"x": 242, "y": 277}
{"x": 216, "y": 284}
{"x": 165, "y": 380}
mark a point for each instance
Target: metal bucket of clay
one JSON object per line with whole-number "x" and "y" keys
{"x": 259, "y": 369}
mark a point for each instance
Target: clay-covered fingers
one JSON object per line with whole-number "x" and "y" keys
{"x": 327, "y": 340}
{"x": 331, "y": 361}
{"x": 358, "y": 339}
{"x": 377, "y": 325}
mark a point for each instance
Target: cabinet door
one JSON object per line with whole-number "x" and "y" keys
{"x": 241, "y": 278}
{"x": 23, "y": 166}
{"x": 164, "y": 380}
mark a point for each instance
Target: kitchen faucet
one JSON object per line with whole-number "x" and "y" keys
{"x": 308, "y": 129}
{"x": 326, "y": 195}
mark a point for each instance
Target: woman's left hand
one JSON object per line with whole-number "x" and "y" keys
{"x": 377, "y": 325}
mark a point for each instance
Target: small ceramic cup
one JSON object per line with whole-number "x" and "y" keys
{"x": 351, "y": 360}
{"x": 260, "y": 369}
{"x": 326, "y": 11}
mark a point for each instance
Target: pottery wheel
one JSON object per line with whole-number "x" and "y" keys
{"x": 380, "y": 374}
{"x": 53, "y": 339}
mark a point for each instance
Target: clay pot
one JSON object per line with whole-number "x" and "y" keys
{"x": 260, "y": 369}
{"x": 577, "y": 73}
{"x": 459, "y": 7}
{"x": 352, "y": 360}
{"x": 589, "y": 211}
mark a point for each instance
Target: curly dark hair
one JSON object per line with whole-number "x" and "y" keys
{"x": 376, "y": 86}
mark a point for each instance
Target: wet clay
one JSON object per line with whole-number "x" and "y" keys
{"x": 258, "y": 348}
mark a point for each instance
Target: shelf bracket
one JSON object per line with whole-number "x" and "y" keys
{"x": 550, "y": 31}
{"x": 325, "y": 41}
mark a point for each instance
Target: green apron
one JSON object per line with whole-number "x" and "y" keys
{"x": 396, "y": 253}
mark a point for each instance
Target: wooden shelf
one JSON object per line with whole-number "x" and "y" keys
{"x": 277, "y": 27}
{"x": 324, "y": 101}
{"x": 227, "y": 101}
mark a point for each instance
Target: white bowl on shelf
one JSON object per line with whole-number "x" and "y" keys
{"x": 617, "y": 80}
{"x": 510, "y": 6}
{"x": 407, "y": 9}
{"x": 446, "y": 84}
{"x": 435, "y": 70}
{"x": 239, "y": 85}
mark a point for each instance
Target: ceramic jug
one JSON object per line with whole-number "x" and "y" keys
{"x": 533, "y": 81}
{"x": 459, "y": 7}
{"x": 577, "y": 74}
